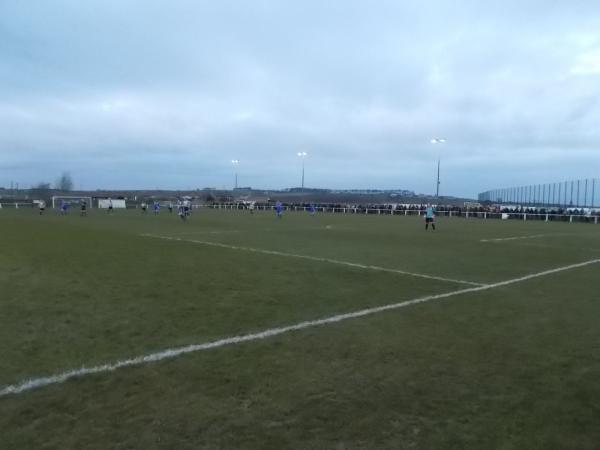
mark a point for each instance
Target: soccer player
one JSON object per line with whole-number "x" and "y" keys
{"x": 170, "y": 207}
{"x": 181, "y": 210}
{"x": 156, "y": 208}
{"x": 251, "y": 207}
{"x": 279, "y": 210}
{"x": 83, "y": 208}
{"x": 64, "y": 206}
{"x": 110, "y": 206}
{"x": 429, "y": 217}
{"x": 312, "y": 209}
{"x": 144, "y": 207}
{"x": 179, "y": 207}
{"x": 42, "y": 206}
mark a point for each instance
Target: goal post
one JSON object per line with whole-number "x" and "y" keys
{"x": 70, "y": 199}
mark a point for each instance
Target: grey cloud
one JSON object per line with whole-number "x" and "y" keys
{"x": 140, "y": 92}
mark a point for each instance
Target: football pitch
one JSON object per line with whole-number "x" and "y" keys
{"x": 332, "y": 331}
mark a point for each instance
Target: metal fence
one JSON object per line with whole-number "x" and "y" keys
{"x": 572, "y": 194}
{"x": 565, "y": 216}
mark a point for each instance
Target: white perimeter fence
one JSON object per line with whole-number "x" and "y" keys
{"x": 546, "y": 217}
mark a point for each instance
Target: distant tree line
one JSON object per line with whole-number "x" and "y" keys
{"x": 63, "y": 183}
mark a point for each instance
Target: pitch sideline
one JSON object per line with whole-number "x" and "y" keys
{"x": 33, "y": 383}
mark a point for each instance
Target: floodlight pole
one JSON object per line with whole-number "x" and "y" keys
{"x": 302, "y": 155}
{"x": 437, "y": 185}
{"x": 235, "y": 163}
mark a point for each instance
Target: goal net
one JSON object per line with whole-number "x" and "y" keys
{"x": 105, "y": 203}
{"x": 72, "y": 200}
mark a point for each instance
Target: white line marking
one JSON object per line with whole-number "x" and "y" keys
{"x": 514, "y": 238}
{"x": 183, "y": 233}
{"x": 313, "y": 258}
{"x": 34, "y": 383}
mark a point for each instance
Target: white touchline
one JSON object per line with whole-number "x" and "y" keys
{"x": 514, "y": 238}
{"x": 33, "y": 383}
{"x": 185, "y": 233}
{"x": 313, "y": 258}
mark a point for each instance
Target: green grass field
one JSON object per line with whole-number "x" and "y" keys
{"x": 513, "y": 366}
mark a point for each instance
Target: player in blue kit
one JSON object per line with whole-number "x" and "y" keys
{"x": 279, "y": 210}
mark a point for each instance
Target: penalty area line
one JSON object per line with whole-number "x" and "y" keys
{"x": 186, "y": 233}
{"x": 313, "y": 258}
{"x": 34, "y": 383}
{"x": 514, "y": 238}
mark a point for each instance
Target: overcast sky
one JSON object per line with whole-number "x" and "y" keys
{"x": 148, "y": 93}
